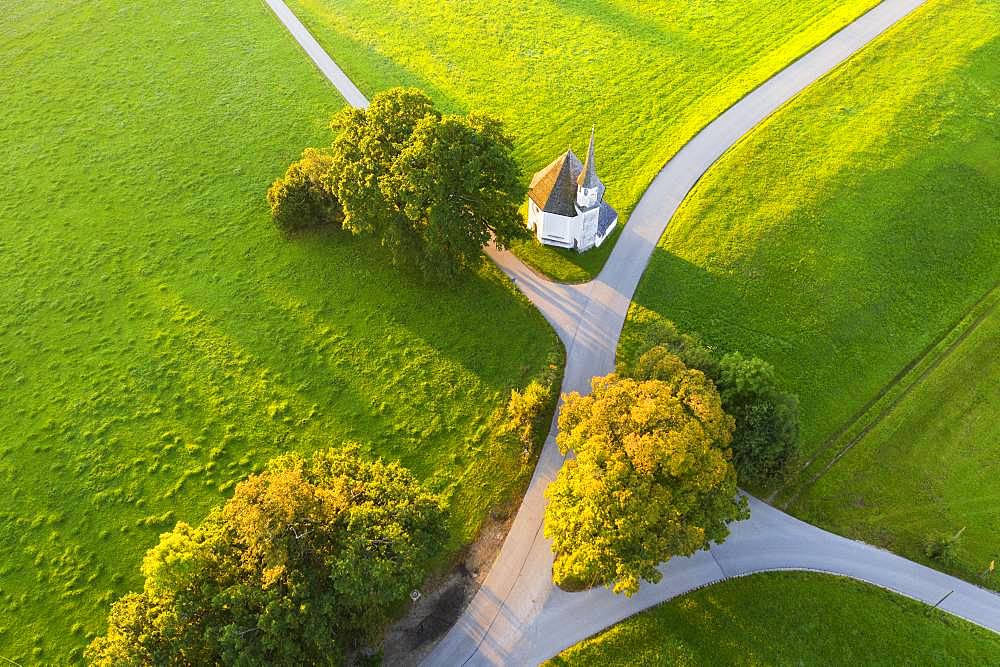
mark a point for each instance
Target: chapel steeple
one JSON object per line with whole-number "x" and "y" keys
{"x": 588, "y": 177}
{"x": 589, "y": 187}
{"x": 566, "y": 206}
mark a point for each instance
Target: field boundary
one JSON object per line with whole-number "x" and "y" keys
{"x": 910, "y": 377}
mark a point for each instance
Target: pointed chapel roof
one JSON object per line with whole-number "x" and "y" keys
{"x": 554, "y": 188}
{"x": 588, "y": 176}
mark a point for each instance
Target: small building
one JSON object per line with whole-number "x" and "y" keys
{"x": 566, "y": 206}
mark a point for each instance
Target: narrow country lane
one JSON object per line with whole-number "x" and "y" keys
{"x": 518, "y": 617}
{"x": 323, "y": 61}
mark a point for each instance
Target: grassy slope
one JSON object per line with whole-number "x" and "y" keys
{"x": 930, "y": 466}
{"x": 158, "y": 339}
{"x": 648, "y": 73}
{"x": 852, "y": 229}
{"x": 788, "y": 618}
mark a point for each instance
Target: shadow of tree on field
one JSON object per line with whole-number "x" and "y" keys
{"x": 627, "y": 24}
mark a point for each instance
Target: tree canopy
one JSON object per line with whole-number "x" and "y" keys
{"x": 664, "y": 338}
{"x": 651, "y": 478}
{"x": 308, "y": 560}
{"x": 432, "y": 189}
{"x": 767, "y": 418}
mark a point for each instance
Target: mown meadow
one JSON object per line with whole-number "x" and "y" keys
{"x": 159, "y": 340}
{"x": 648, "y": 74}
{"x": 788, "y": 618}
{"x": 928, "y": 468}
{"x": 851, "y": 231}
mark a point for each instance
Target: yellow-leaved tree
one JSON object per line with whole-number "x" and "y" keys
{"x": 652, "y": 477}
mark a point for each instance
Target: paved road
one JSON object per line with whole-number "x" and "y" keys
{"x": 323, "y": 61}
{"x": 518, "y": 617}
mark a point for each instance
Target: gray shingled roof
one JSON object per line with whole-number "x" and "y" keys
{"x": 553, "y": 189}
{"x": 605, "y": 218}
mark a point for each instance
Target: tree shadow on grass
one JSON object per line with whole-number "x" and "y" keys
{"x": 710, "y": 304}
{"x": 628, "y": 24}
{"x": 415, "y": 369}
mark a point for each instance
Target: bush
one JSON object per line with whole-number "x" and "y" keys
{"x": 767, "y": 419}
{"x": 304, "y": 564}
{"x": 525, "y": 410}
{"x": 942, "y": 547}
{"x": 302, "y": 198}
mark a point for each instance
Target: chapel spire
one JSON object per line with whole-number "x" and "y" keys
{"x": 588, "y": 177}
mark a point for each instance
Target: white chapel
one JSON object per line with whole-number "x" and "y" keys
{"x": 566, "y": 206}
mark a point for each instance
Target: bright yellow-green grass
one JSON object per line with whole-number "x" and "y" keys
{"x": 647, "y": 73}
{"x": 159, "y": 339}
{"x": 930, "y": 466}
{"x": 852, "y": 229}
{"x": 788, "y": 618}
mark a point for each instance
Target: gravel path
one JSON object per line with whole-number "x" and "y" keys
{"x": 518, "y": 617}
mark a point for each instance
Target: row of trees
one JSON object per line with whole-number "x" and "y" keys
{"x": 431, "y": 188}
{"x": 304, "y": 564}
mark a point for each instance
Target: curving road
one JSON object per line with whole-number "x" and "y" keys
{"x": 518, "y": 617}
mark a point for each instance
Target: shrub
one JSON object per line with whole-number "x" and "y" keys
{"x": 302, "y": 197}
{"x": 525, "y": 410}
{"x": 767, "y": 419}
{"x": 942, "y": 547}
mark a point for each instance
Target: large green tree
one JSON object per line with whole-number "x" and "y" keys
{"x": 767, "y": 418}
{"x": 458, "y": 185}
{"x": 663, "y": 339}
{"x": 432, "y": 189}
{"x": 368, "y": 142}
{"x": 306, "y": 561}
{"x": 651, "y": 478}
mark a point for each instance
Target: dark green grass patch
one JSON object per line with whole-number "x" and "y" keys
{"x": 789, "y": 618}
{"x": 160, "y": 340}
{"x": 647, "y": 74}
{"x": 854, "y": 228}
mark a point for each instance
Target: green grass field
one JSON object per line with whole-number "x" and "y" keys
{"x": 930, "y": 465}
{"x": 647, "y": 73}
{"x": 855, "y": 227}
{"x": 159, "y": 340}
{"x": 788, "y": 618}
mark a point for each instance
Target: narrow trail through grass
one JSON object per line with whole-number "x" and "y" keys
{"x": 927, "y": 467}
{"x": 881, "y": 406}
